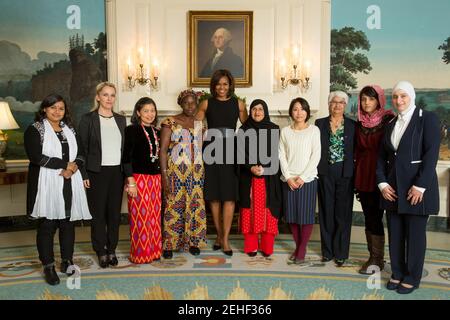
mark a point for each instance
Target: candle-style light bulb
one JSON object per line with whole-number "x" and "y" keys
{"x": 295, "y": 55}
{"x": 141, "y": 55}
{"x": 128, "y": 66}
{"x": 308, "y": 68}
{"x": 282, "y": 68}
{"x": 155, "y": 68}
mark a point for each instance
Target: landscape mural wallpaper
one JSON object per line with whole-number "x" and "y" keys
{"x": 49, "y": 46}
{"x": 384, "y": 41}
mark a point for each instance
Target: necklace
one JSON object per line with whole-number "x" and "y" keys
{"x": 334, "y": 125}
{"x": 153, "y": 157}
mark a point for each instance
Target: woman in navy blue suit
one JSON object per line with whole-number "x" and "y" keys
{"x": 335, "y": 172}
{"x": 406, "y": 176}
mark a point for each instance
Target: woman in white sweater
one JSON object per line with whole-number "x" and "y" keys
{"x": 299, "y": 156}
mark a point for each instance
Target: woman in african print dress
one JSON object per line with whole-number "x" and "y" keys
{"x": 182, "y": 178}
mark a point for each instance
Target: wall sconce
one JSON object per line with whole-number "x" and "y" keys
{"x": 296, "y": 79}
{"x": 6, "y": 122}
{"x": 140, "y": 77}
{"x": 304, "y": 83}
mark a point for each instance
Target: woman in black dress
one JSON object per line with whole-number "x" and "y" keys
{"x": 221, "y": 184}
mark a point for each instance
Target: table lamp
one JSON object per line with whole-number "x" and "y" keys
{"x": 6, "y": 122}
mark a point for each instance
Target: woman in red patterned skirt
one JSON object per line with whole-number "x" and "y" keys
{"x": 260, "y": 187}
{"x": 141, "y": 166}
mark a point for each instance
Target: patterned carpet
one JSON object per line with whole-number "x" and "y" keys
{"x": 212, "y": 275}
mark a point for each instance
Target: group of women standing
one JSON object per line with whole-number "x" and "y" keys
{"x": 389, "y": 161}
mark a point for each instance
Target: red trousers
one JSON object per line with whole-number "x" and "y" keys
{"x": 258, "y": 220}
{"x": 251, "y": 242}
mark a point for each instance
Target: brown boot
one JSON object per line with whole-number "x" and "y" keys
{"x": 378, "y": 251}
{"x": 369, "y": 262}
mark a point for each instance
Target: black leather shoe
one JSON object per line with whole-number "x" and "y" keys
{"x": 194, "y": 251}
{"x": 252, "y": 254}
{"x": 103, "y": 261}
{"x": 404, "y": 290}
{"x": 339, "y": 262}
{"x": 266, "y": 255}
{"x": 217, "y": 247}
{"x": 392, "y": 285}
{"x": 325, "y": 259}
{"x": 167, "y": 254}
{"x": 228, "y": 252}
{"x": 51, "y": 277}
{"x": 112, "y": 260}
{"x": 65, "y": 265}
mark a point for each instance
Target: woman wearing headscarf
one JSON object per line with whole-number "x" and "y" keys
{"x": 183, "y": 177}
{"x": 406, "y": 176}
{"x": 259, "y": 183}
{"x": 372, "y": 120}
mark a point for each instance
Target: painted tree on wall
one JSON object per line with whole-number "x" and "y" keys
{"x": 346, "y": 58}
{"x": 446, "y": 48}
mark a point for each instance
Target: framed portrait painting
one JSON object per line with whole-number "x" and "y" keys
{"x": 220, "y": 40}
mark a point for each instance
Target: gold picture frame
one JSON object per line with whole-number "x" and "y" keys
{"x": 207, "y": 52}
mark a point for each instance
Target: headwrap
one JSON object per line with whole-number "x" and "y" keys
{"x": 373, "y": 120}
{"x": 272, "y": 181}
{"x": 264, "y": 123}
{"x": 409, "y": 89}
{"x": 186, "y": 93}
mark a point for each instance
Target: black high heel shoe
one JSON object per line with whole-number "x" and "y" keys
{"x": 51, "y": 277}
{"x": 228, "y": 252}
{"x": 103, "y": 261}
{"x": 167, "y": 254}
{"x": 217, "y": 247}
{"x": 65, "y": 265}
{"x": 112, "y": 260}
{"x": 194, "y": 251}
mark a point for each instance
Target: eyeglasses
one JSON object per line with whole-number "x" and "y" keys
{"x": 338, "y": 102}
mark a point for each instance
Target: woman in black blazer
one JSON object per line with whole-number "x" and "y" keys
{"x": 335, "y": 171}
{"x": 102, "y": 136}
{"x": 406, "y": 176}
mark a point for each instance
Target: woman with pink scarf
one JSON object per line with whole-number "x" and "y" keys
{"x": 372, "y": 119}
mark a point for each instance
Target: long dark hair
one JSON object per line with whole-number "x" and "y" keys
{"x": 138, "y": 107}
{"x": 50, "y": 100}
{"x": 304, "y": 104}
{"x": 218, "y": 74}
{"x": 370, "y": 92}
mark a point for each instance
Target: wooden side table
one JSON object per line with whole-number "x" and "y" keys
{"x": 13, "y": 177}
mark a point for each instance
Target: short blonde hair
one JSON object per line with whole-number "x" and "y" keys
{"x": 99, "y": 88}
{"x": 339, "y": 94}
{"x": 226, "y": 35}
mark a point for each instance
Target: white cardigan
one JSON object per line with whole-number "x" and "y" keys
{"x": 299, "y": 153}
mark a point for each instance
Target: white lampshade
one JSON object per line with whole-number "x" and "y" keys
{"x": 6, "y": 118}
